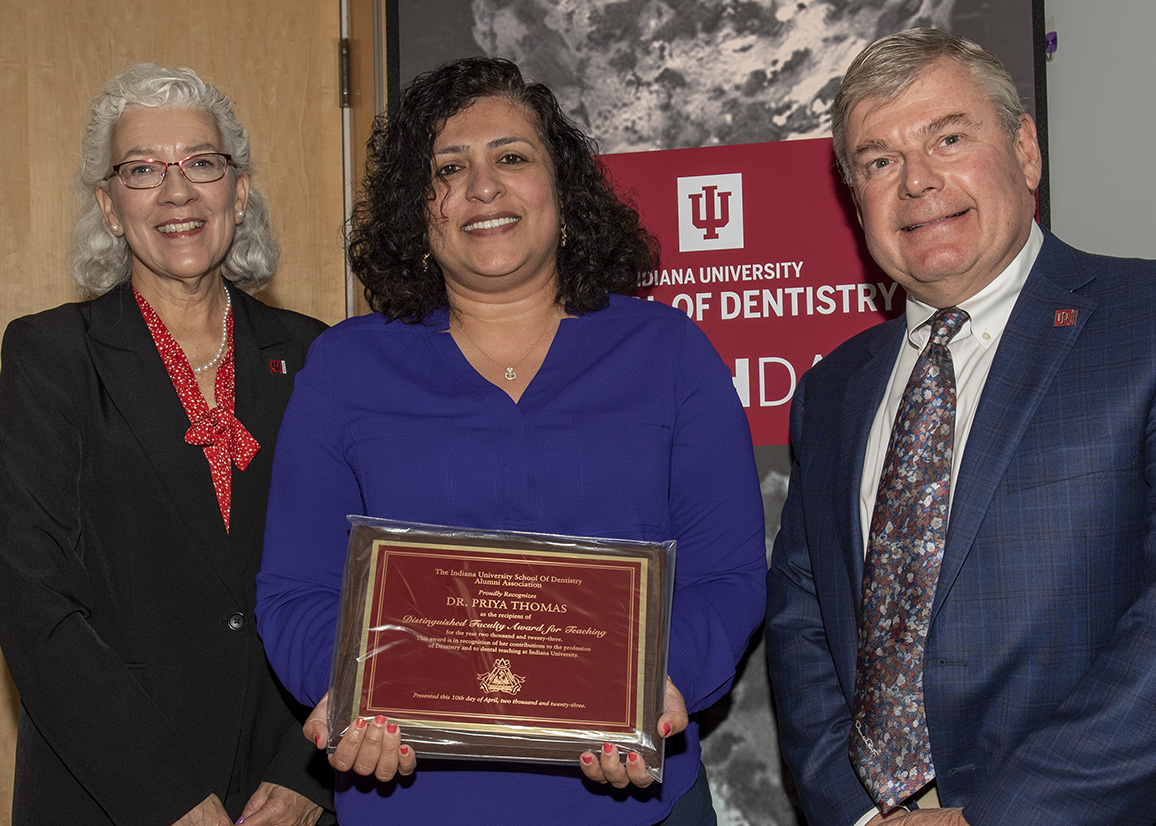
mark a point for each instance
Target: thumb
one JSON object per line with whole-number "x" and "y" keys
{"x": 674, "y": 717}
{"x": 254, "y": 803}
{"x": 316, "y": 728}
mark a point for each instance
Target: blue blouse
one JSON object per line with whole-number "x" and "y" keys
{"x": 631, "y": 429}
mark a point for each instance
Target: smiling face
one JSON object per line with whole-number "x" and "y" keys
{"x": 944, "y": 196}
{"x": 178, "y": 230}
{"x": 494, "y": 220}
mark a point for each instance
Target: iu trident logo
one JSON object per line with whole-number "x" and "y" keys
{"x": 709, "y": 219}
{"x": 710, "y": 212}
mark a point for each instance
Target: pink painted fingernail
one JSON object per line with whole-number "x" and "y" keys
{"x": 607, "y": 748}
{"x": 588, "y": 759}
{"x": 379, "y": 719}
{"x": 317, "y": 740}
{"x": 632, "y": 757}
{"x": 391, "y": 728}
{"x": 361, "y": 722}
{"x": 404, "y": 749}
{"x": 666, "y": 729}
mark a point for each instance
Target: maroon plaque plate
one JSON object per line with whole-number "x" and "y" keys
{"x": 498, "y": 645}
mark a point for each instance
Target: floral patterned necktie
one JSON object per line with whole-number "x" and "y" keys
{"x": 890, "y": 748}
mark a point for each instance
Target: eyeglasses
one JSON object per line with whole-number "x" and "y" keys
{"x": 148, "y": 174}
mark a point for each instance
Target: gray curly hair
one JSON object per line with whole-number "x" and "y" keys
{"x": 102, "y": 260}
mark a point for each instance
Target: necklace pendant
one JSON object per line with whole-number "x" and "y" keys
{"x": 510, "y": 374}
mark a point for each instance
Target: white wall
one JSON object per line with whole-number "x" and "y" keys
{"x": 1102, "y": 125}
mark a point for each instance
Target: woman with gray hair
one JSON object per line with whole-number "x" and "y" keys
{"x": 137, "y": 430}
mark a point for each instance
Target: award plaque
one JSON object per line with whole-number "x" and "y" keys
{"x": 501, "y": 645}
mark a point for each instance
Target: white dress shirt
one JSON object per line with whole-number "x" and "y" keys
{"x": 972, "y": 350}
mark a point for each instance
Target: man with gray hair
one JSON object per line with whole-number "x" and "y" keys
{"x": 962, "y": 596}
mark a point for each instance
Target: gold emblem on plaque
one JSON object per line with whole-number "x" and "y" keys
{"x": 501, "y": 678}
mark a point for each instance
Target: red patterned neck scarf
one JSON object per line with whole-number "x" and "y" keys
{"x": 223, "y": 438}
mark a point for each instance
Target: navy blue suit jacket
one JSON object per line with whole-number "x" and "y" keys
{"x": 1040, "y": 674}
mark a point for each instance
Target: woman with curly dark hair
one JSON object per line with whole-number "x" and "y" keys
{"x": 606, "y": 248}
{"x": 506, "y": 383}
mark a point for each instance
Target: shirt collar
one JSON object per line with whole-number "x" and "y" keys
{"x": 989, "y": 309}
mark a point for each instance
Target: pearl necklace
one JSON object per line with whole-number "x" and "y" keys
{"x": 511, "y": 374}
{"x": 224, "y": 335}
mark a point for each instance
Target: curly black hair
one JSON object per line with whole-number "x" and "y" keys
{"x": 607, "y": 248}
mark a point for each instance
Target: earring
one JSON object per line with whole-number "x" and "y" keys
{"x": 240, "y": 214}
{"x": 425, "y": 263}
{"x": 114, "y": 229}
{"x": 563, "y": 235}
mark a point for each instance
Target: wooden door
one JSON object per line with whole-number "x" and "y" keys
{"x": 277, "y": 60}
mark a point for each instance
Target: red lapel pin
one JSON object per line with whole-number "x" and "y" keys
{"x": 1064, "y": 318}
{"x": 277, "y": 366}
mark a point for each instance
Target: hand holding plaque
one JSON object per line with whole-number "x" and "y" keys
{"x": 501, "y": 645}
{"x": 607, "y": 767}
{"x": 366, "y": 748}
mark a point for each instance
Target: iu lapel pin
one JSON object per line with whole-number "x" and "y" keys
{"x": 277, "y": 366}
{"x": 1064, "y": 318}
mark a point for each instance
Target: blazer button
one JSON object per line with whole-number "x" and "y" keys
{"x": 236, "y": 621}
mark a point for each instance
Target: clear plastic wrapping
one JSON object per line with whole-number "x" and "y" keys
{"x": 497, "y": 645}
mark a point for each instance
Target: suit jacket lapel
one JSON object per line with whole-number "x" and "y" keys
{"x": 860, "y": 388}
{"x": 131, "y": 370}
{"x": 1030, "y": 353}
{"x": 863, "y": 390}
{"x": 267, "y": 357}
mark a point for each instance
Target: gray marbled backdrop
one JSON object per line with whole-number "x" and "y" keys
{"x": 665, "y": 74}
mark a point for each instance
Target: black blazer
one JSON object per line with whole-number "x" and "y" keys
{"x": 126, "y": 610}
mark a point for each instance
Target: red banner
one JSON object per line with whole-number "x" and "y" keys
{"x": 761, "y": 247}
